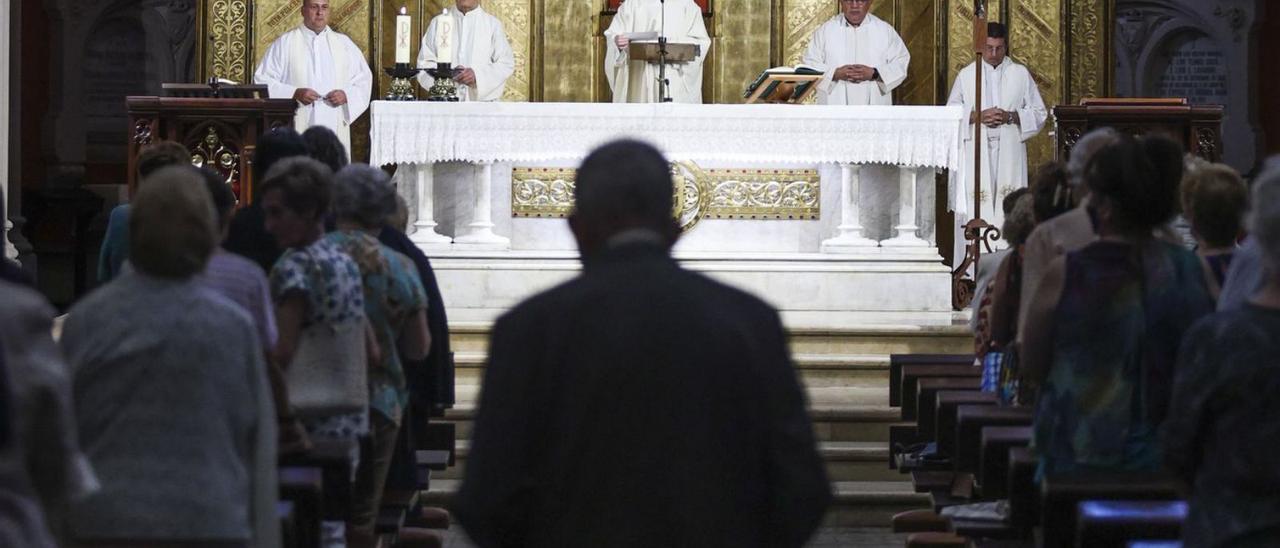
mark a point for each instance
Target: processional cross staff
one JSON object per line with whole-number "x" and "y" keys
{"x": 977, "y": 232}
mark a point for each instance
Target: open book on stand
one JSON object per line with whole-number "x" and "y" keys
{"x": 783, "y": 84}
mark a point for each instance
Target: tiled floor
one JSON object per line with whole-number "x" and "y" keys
{"x": 826, "y": 538}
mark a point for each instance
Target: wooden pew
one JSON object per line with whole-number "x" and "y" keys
{"x": 1114, "y": 523}
{"x": 926, "y": 400}
{"x": 288, "y": 525}
{"x": 993, "y": 472}
{"x": 1061, "y": 495}
{"x": 971, "y": 419}
{"x": 911, "y": 375}
{"x": 336, "y": 461}
{"x": 898, "y": 361}
{"x": 303, "y": 488}
{"x": 948, "y": 401}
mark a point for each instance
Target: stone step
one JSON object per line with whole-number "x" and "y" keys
{"x": 856, "y": 340}
{"x": 846, "y": 461}
{"x": 815, "y": 370}
{"x": 831, "y": 422}
{"x": 855, "y": 503}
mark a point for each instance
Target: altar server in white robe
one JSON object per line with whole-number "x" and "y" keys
{"x": 636, "y": 81}
{"x": 862, "y": 57}
{"x": 1012, "y": 113}
{"x": 482, "y": 56}
{"x": 321, "y": 69}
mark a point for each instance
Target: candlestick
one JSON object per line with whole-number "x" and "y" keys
{"x": 444, "y": 39}
{"x": 404, "y": 28}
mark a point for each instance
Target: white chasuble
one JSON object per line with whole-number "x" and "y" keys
{"x": 874, "y": 43}
{"x": 481, "y": 46}
{"x": 636, "y": 81}
{"x": 325, "y": 62}
{"x": 1004, "y": 161}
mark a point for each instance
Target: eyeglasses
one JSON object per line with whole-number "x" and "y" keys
{"x": 863, "y": 2}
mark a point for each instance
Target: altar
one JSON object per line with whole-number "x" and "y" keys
{"x": 826, "y": 212}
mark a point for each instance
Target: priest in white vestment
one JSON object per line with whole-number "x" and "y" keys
{"x": 482, "y": 58}
{"x": 1012, "y": 113}
{"x": 862, "y": 57}
{"x": 636, "y": 81}
{"x": 321, "y": 69}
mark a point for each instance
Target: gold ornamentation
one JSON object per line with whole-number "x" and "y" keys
{"x": 1036, "y": 40}
{"x": 802, "y": 18}
{"x": 216, "y": 154}
{"x": 228, "y": 38}
{"x": 142, "y": 132}
{"x": 687, "y": 181}
{"x": 542, "y": 192}
{"x": 758, "y": 194}
{"x": 764, "y": 194}
{"x": 517, "y": 20}
{"x": 1090, "y": 67}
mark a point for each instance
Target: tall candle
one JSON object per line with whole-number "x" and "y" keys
{"x": 403, "y": 30}
{"x": 444, "y": 38}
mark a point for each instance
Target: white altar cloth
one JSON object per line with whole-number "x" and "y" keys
{"x": 426, "y": 132}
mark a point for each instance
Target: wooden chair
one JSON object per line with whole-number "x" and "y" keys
{"x": 971, "y": 419}
{"x": 303, "y": 488}
{"x": 993, "y": 472}
{"x": 898, "y": 361}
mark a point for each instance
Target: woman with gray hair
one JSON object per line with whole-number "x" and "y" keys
{"x": 171, "y": 395}
{"x": 1226, "y": 410}
{"x": 395, "y": 303}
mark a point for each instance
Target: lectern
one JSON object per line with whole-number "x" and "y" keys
{"x": 1197, "y": 127}
{"x": 219, "y": 124}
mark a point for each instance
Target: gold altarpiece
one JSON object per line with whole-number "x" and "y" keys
{"x": 559, "y": 46}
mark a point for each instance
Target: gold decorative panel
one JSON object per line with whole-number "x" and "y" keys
{"x": 917, "y": 24}
{"x": 800, "y": 19}
{"x": 1036, "y": 40}
{"x": 742, "y": 42}
{"x": 759, "y": 194}
{"x": 542, "y": 192}
{"x": 517, "y": 20}
{"x": 1090, "y": 61}
{"x": 763, "y": 194}
{"x": 569, "y": 44}
{"x": 225, "y": 40}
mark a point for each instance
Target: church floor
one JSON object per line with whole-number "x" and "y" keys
{"x": 861, "y": 537}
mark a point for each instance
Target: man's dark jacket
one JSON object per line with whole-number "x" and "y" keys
{"x": 641, "y": 404}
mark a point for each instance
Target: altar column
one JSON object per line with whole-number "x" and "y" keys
{"x": 850, "y": 239}
{"x": 424, "y": 228}
{"x": 907, "y": 230}
{"x": 481, "y": 234}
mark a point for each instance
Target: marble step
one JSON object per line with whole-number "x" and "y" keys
{"x": 816, "y": 370}
{"x": 833, "y": 421}
{"x": 854, "y": 504}
{"x": 845, "y": 461}
{"x": 851, "y": 340}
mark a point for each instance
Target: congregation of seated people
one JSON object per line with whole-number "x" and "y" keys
{"x": 228, "y": 342}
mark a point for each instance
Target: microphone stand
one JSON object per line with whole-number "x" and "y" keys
{"x": 664, "y": 85}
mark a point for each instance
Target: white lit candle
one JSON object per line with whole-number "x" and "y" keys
{"x": 403, "y": 30}
{"x": 444, "y": 39}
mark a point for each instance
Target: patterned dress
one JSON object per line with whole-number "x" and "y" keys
{"x": 392, "y": 293}
{"x": 331, "y": 283}
{"x": 1122, "y": 314}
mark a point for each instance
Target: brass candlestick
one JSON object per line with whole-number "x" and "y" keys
{"x": 444, "y": 89}
{"x": 401, "y": 82}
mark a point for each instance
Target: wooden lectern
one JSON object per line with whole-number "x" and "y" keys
{"x": 219, "y": 124}
{"x": 1197, "y": 127}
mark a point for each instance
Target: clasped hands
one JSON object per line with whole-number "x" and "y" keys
{"x": 307, "y": 96}
{"x": 854, "y": 73}
{"x": 994, "y": 117}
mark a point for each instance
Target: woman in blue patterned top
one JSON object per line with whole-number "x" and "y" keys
{"x": 395, "y": 303}
{"x": 1103, "y": 328}
{"x": 313, "y": 282}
